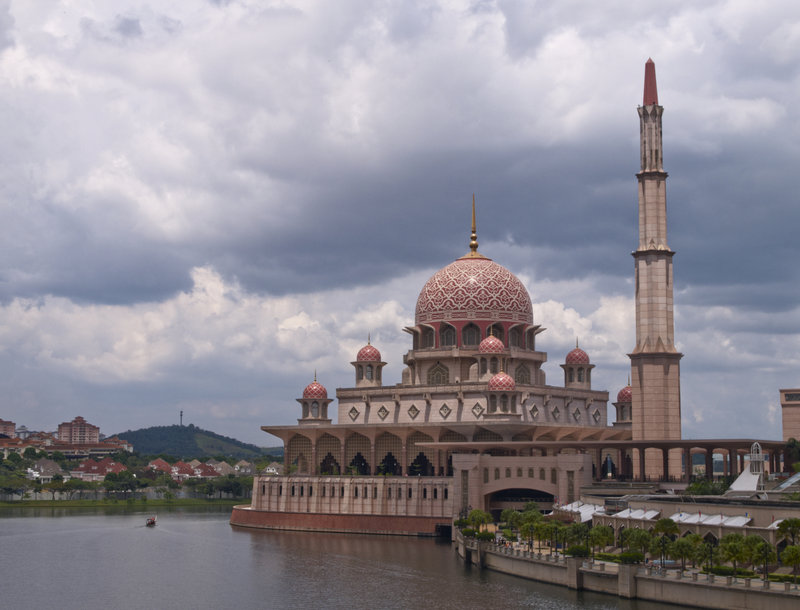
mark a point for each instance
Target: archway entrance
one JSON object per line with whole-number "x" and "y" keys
{"x": 517, "y": 498}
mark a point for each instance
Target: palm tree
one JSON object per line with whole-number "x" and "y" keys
{"x": 732, "y": 548}
{"x": 791, "y": 557}
{"x": 600, "y": 535}
{"x": 681, "y": 549}
{"x": 763, "y": 553}
{"x": 790, "y": 528}
{"x": 696, "y": 540}
{"x": 477, "y": 517}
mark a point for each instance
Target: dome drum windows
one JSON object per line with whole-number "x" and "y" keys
{"x": 447, "y": 336}
{"x": 470, "y": 335}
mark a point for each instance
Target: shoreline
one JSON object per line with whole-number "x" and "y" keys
{"x": 120, "y": 503}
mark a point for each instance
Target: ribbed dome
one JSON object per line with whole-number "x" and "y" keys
{"x": 625, "y": 394}
{"x": 491, "y": 345}
{"x": 577, "y": 356}
{"x": 368, "y": 353}
{"x": 315, "y": 390}
{"x": 502, "y": 382}
{"x": 473, "y": 288}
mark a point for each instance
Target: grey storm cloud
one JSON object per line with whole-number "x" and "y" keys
{"x": 200, "y": 204}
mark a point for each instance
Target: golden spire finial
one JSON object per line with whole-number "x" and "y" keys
{"x": 315, "y": 375}
{"x": 576, "y": 342}
{"x": 473, "y": 243}
{"x": 368, "y": 339}
{"x": 629, "y": 379}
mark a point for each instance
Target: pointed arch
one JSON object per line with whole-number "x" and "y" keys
{"x": 438, "y": 374}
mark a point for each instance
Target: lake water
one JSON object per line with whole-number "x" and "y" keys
{"x": 102, "y": 558}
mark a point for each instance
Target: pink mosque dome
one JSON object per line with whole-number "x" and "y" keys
{"x": 502, "y": 382}
{"x": 473, "y": 288}
{"x": 625, "y": 394}
{"x": 368, "y": 353}
{"x": 491, "y": 345}
{"x": 577, "y": 356}
{"x": 315, "y": 390}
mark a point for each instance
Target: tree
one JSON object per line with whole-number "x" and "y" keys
{"x": 696, "y": 541}
{"x": 511, "y": 517}
{"x": 791, "y": 557}
{"x": 681, "y": 549}
{"x": 790, "y": 528}
{"x": 666, "y": 527}
{"x": 30, "y": 453}
{"x": 600, "y": 535}
{"x": 704, "y": 554}
{"x": 477, "y": 518}
{"x": 764, "y": 554}
{"x": 577, "y": 533}
{"x": 732, "y": 548}
{"x": 637, "y": 539}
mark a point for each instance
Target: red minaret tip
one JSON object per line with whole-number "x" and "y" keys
{"x": 650, "y": 90}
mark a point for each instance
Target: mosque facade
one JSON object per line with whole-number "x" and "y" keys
{"x": 473, "y": 422}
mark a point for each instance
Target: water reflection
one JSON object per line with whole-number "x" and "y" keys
{"x": 100, "y": 558}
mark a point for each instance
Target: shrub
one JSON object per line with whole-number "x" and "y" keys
{"x": 468, "y": 532}
{"x": 631, "y": 557}
{"x": 729, "y": 571}
{"x": 460, "y": 523}
{"x": 485, "y": 536}
{"x": 578, "y": 550}
{"x": 607, "y": 557}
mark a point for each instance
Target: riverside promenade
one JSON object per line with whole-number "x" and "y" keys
{"x": 688, "y": 588}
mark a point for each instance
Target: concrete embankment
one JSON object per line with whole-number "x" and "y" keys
{"x": 630, "y": 581}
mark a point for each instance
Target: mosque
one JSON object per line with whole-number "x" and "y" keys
{"x": 474, "y": 423}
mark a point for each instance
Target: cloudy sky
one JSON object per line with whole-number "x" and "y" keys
{"x": 202, "y": 203}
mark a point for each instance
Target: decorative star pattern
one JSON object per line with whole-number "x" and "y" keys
{"x": 491, "y": 345}
{"x": 474, "y": 288}
{"x": 577, "y": 356}
{"x": 502, "y": 383}
{"x": 625, "y": 394}
{"x": 315, "y": 390}
{"x": 368, "y": 353}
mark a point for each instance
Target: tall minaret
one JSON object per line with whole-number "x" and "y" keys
{"x": 655, "y": 363}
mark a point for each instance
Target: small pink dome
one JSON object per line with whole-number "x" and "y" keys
{"x": 315, "y": 390}
{"x": 491, "y": 345}
{"x": 368, "y": 353}
{"x": 577, "y": 356}
{"x": 502, "y": 382}
{"x": 625, "y": 394}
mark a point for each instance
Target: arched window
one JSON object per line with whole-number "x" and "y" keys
{"x": 360, "y": 373}
{"x": 369, "y": 372}
{"x": 571, "y": 375}
{"x": 427, "y": 337}
{"x": 580, "y": 374}
{"x": 530, "y": 343}
{"x": 470, "y": 335}
{"x": 447, "y": 336}
{"x": 484, "y": 366}
{"x": 492, "y": 404}
{"x": 515, "y": 337}
{"x": 504, "y": 403}
{"x": 493, "y": 366}
{"x": 541, "y": 474}
{"x": 485, "y": 475}
{"x": 315, "y": 409}
{"x": 522, "y": 374}
{"x": 496, "y": 473}
{"x": 438, "y": 374}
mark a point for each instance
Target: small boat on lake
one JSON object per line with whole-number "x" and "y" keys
{"x": 151, "y": 522}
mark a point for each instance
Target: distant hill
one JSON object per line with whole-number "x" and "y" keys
{"x": 189, "y": 442}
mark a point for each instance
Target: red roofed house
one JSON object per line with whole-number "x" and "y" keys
{"x": 160, "y": 465}
{"x": 90, "y": 470}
